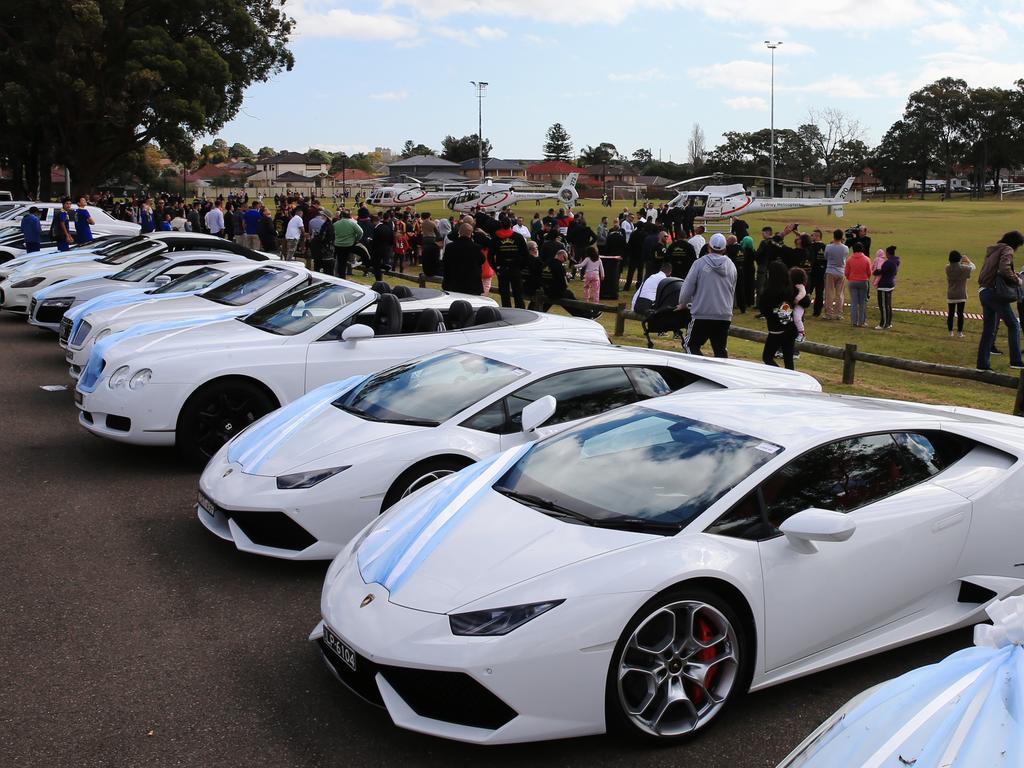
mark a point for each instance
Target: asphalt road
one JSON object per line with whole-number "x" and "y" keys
{"x": 130, "y": 636}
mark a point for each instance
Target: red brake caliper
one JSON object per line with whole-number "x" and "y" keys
{"x": 704, "y": 633}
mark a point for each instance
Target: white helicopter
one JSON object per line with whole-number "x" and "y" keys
{"x": 409, "y": 193}
{"x": 728, "y": 200}
{"x": 495, "y": 196}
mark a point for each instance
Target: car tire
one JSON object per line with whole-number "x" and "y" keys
{"x": 420, "y": 475}
{"x": 679, "y": 661}
{"x": 216, "y": 413}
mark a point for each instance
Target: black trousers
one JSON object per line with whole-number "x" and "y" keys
{"x": 776, "y": 341}
{"x": 957, "y": 308}
{"x": 741, "y": 288}
{"x": 715, "y": 331}
{"x": 885, "y": 308}
{"x": 631, "y": 268}
{"x": 379, "y": 261}
{"x": 510, "y": 286}
{"x": 817, "y": 287}
{"x": 342, "y": 257}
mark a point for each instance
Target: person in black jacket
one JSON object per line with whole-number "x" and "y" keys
{"x": 382, "y": 247}
{"x": 635, "y": 255}
{"x": 507, "y": 253}
{"x": 267, "y": 233}
{"x": 775, "y": 302}
{"x": 462, "y": 262}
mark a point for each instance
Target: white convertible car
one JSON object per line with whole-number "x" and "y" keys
{"x": 305, "y": 479}
{"x": 638, "y": 571}
{"x": 17, "y": 289}
{"x": 197, "y": 386}
{"x": 247, "y": 288}
{"x": 48, "y": 306}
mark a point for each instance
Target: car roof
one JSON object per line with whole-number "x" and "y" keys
{"x": 791, "y": 418}
{"x": 176, "y": 256}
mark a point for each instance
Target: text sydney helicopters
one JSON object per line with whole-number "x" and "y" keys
{"x": 727, "y": 200}
{"x": 495, "y": 196}
{"x": 409, "y": 193}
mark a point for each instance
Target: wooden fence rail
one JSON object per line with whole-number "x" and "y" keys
{"x": 849, "y": 353}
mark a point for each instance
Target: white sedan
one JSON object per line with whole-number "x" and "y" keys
{"x": 247, "y": 288}
{"x": 17, "y": 289}
{"x": 304, "y": 480}
{"x": 48, "y": 306}
{"x": 640, "y": 570}
{"x": 197, "y": 386}
{"x": 12, "y": 241}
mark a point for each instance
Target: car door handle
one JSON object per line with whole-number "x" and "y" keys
{"x": 947, "y": 522}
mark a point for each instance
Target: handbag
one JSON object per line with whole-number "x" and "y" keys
{"x": 1005, "y": 291}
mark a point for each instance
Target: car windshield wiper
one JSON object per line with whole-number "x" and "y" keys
{"x": 407, "y": 421}
{"x": 639, "y": 524}
{"x": 545, "y": 505}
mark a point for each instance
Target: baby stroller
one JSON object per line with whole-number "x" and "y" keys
{"x": 663, "y": 316}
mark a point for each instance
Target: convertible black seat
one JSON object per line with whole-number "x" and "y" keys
{"x": 388, "y": 320}
{"x": 402, "y": 291}
{"x": 460, "y": 314}
{"x": 380, "y": 287}
{"x": 485, "y": 315}
{"x": 430, "y": 321}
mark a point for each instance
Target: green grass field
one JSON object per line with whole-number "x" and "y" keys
{"x": 924, "y": 233}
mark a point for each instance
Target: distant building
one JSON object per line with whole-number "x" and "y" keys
{"x": 551, "y": 171}
{"x": 420, "y": 165}
{"x": 611, "y": 174}
{"x": 273, "y": 167}
{"x": 492, "y": 167}
{"x": 386, "y": 155}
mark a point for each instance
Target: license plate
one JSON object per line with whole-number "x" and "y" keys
{"x": 340, "y": 647}
{"x": 78, "y": 397}
{"x": 204, "y": 503}
{"x": 70, "y": 356}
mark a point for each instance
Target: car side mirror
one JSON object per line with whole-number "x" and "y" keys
{"x": 162, "y": 280}
{"x": 357, "y": 332}
{"x": 817, "y": 525}
{"x": 537, "y": 412}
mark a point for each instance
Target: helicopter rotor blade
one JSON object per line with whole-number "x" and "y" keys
{"x": 695, "y": 178}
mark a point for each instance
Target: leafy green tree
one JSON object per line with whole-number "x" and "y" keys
{"x": 903, "y": 153}
{"x": 465, "y": 148}
{"x": 240, "y": 151}
{"x": 214, "y": 152}
{"x": 409, "y": 149}
{"x": 941, "y": 112}
{"x": 266, "y": 152}
{"x": 318, "y": 156}
{"x": 834, "y": 147}
{"x": 604, "y": 152}
{"x": 557, "y": 144}
{"x": 87, "y": 81}
{"x": 643, "y": 157}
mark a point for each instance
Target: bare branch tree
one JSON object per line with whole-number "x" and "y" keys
{"x": 829, "y": 133}
{"x": 696, "y": 151}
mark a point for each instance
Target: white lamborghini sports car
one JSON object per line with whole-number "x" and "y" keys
{"x": 197, "y": 385}
{"x": 639, "y": 570}
{"x": 304, "y": 480}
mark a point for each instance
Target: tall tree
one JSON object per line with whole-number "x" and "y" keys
{"x": 410, "y": 148}
{"x": 696, "y": 151}
{"x": 557, "y": 144}
{"x": 466, "y": 148}
{"x": 266, "y": 152}
{"x": 941, "y": 112}
{"x": 88, "y": 81}
{"x": 240, "y": 151}
{"x": 605, "y": 152}
{"x": 643, "y": 157}
{"x": 835, "y": 140}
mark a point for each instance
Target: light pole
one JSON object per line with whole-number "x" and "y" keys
{"x": 771, "y": 47}
{"x": 344, "y": 185}
{"x": 480, "y": 123}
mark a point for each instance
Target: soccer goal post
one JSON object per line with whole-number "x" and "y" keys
{"x": 629, "y": 192}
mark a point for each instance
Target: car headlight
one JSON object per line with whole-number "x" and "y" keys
{"x": 118, "y": 377}
{"x": 60, "y": 301}
{"x": 28, "y": 283}
{"x": 140, "y": 379}
{"x": 307, "y": 479}
{"x": 104, "y": 333}
{"x": 498, "y": 621}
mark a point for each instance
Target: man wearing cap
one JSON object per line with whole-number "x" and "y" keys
{"x": 709, "y": 289}
{"x": 32, "y": 230}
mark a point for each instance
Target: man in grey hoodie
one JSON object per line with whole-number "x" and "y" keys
{"x": 709, "y": 289}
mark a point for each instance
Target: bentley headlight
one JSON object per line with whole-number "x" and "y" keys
{"x": 140, "y": 379}
{"x": 498, "y": 621}
{"x": 59, "y": 301}
{"x": 31, "y": 282}
{"x": 104, "y": 333}
{"x": 118, "y": 377}
{"x": 307, "y": 479}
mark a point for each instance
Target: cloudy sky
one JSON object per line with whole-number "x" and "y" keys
{"x": 636, "y": 73}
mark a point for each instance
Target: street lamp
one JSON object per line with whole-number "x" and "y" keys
{"x": 480, "y": 87}
{"x": 771, "y": 47}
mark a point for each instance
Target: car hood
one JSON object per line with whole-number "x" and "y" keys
{"x": 185, "y": 337}
{"x": 308, "y": 431}
{"x": 460, "y": 541}
{"x": 154, "y": 309}
{"x": 35, "y": 261}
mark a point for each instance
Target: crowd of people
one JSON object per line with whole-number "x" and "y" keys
{"x": 534, "y": 262}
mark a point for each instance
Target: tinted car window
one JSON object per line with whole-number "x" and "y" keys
{"x": 929, "y": 452}
{"x": 246, "y": 287}
{"x": 579, "y": 394}
{"x": 193, "y": 281}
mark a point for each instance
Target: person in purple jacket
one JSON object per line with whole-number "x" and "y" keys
{"x": 886, "y": 283}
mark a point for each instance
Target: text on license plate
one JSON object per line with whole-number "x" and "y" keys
{"x": 70, "y": 356}
{"x": 78, "y": 397}
{"x": 340, "y": 647}
{"x": 204, "y": 503}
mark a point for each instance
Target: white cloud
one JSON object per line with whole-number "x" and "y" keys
{"x": 315, "y": 19}
{"x": 947, "y": 32}
{"x": 642, "y": 76}
{"x": 390, "y": 96}
{"x": 739, "y": 75}
{"x": 754, "y": 103}
{"x": 978, "y": 71}
{"x": 489, "y": 33}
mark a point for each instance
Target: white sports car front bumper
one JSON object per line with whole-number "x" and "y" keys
{"x": 141, "y": 418}
{"x": 544, "y": 680}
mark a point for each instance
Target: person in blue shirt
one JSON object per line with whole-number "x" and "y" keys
{"x": 32, "y": 230}
{"x": 64, "y": 238}
{"x": 165, "y": 225}
{"x": 146, "y": 220}
{"x": 83, "y": 223}
{"x": 251, "y": 220}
